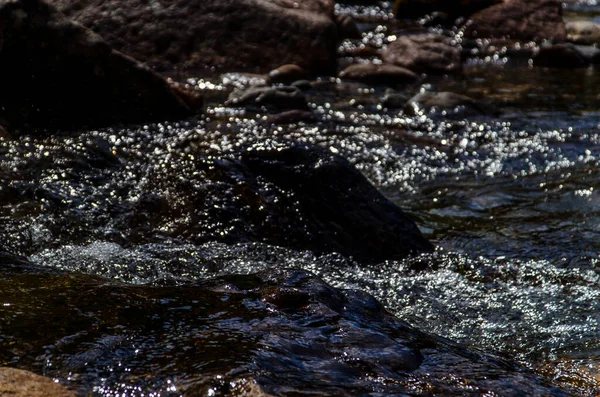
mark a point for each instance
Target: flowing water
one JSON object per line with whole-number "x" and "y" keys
{"x": 511, "y": 201}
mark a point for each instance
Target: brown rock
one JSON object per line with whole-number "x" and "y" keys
{"x": 55, "y": 73}
{"x": 444, "y": 101}
{"x": 347, "y": 27}
{"x": 527, "y": 20}
{"x": 248, "y": 35}
{"x": 454, "y": 8}
{"x": 378, "y": 74}
{"x": 19, "y": 383}
{"x": 287, "y": 74}
{"x": 561, "y": 56}
{"x": 424, "y": 53}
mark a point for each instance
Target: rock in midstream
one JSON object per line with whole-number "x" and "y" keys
{"x": 56, "y": 73}
{"x": 248, "y": 35}
{"x": 282, "y": 332}
{"x": 289, "y": 195}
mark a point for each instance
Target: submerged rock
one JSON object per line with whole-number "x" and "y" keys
{"x": 424, "y": 53}
{"x": 18, "y": 383}
{"x": 379, "y": 74}
{"x": 55, "y": 73}
{"x": 527, "y": 20}
{"x": 279, "y": 332}
{"x": 245, "y": 35}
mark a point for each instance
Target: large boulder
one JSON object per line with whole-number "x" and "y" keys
{"x": 424, "y": 53}
{"x": 250, "y": 35}
{"x": 56, "y": 73}
{"x": 371, "y": 73}
{"x": 526, "y": 20}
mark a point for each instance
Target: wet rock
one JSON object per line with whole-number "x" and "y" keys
{"x": 243, "y": 35}
{"x": 424, "y": 53}
{"x": 527, "y": 20}
{"x": 346, "y": 27}
{"x": 583, "y": 32}
{"x": 449, "y": 102}
{"x": 371, "y": 73}
{"x": 284, "y": 194}
{"x": 18, "y": 383}
{"x": 303, "y": 85}
{"x": 292, "y": 116}
{"x": 55, "y": 73}
{"x": 591, "y": 54}
{"x": 453, "y": 8}
{"x": 277, "y": 332}
{"x": 563, "y": 56}
{"x": 272, "y": 98}
{"x": 286, "y": 74}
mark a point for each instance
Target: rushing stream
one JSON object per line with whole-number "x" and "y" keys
{"x": 511, "y": 200}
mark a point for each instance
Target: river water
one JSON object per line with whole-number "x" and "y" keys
{"x": 511, "y": 201}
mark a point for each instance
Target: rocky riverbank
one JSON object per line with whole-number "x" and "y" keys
{"x": 154, "y": 142}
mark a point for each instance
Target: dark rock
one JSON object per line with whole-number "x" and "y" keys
{"x": 590, "y": 53}
{"x": 562, "y": 56}
{"x": 449, "y": 102}
{"x": 282, "y": 194}
{"x": 347, "y": 28}
{"x": 527, "y": 20}
{"x": 283, "y": 332}
{"x": 425, "y": 53}
{"x": 292, "y": 116}
{"x": 453, "y": 8}
{"x": 378, "y": 74}
{"x": 583, "y": 32}
{"x": 286, "y": 74}
{"x": 243, "y": 35}
{"x": 342, "y": 212}
{"x": 55, "y": 73}
{"x": 272, "y": 98}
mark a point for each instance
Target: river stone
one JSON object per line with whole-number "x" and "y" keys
{"x": 273, "y": 98}
{"x": 286, "y": 74}
{"x": 242, "y": 35}
{"x": 371, "y": 73}
{"x": 454, "y": 8}
{"x": 583, "y": 32}
{"x": 18, "y": 383}
{"x": 527, "y": 20}
{"x": 55, "y": 73}
{"x": 561, "y": 56}
{"x": 443, "y": 101}
{"x": 424, "y": 53}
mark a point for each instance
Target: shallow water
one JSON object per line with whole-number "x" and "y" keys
{"x": 511, "y": 201}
